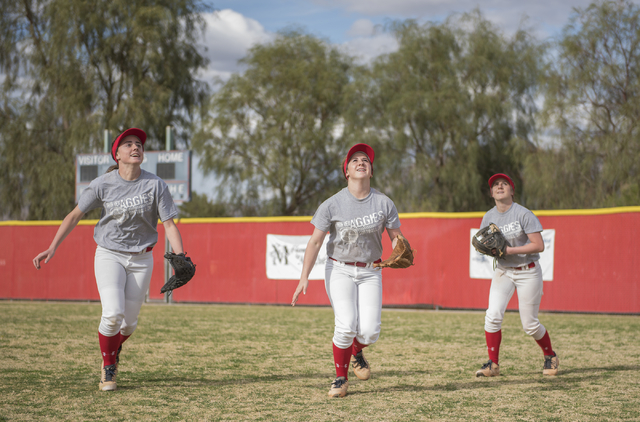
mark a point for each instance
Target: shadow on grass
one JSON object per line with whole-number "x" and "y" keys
{"x": 563, "y": 371}
{"x": 561, "y": 381}
{"x": 615, "y": 368}
{"x": 137, "y": 382}
{"x": 181, "y": 382}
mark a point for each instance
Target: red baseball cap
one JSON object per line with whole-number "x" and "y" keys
{"x": 358, "y": 148}
{"x": 504, "y": 176}
{"x": 138, "y": 133}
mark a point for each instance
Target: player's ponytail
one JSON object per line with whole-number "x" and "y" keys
{"x": 115, "y": 166}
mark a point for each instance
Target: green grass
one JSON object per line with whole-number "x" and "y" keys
{"x": 214, "y": 362}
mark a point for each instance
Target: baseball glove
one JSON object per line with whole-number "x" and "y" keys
{"x": 183, "y": 268}
{"x": 401, "y": 256}
{"x": 490, "y": 241}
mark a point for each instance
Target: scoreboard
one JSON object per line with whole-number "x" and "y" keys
{"x": 174, "y": 167}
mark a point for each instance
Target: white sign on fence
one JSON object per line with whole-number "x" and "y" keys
{"x": 285, "y": 255}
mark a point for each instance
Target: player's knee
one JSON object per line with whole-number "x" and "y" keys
{"x": 127, "y": 330}
{"x": 492, "y": 323}
{"x": 343, "y": 339}
{"x": 534, "y": 329}
{"x": 369, "y": 335}
{"x": 368, "y": 339}
{"x": 110, "y": 325}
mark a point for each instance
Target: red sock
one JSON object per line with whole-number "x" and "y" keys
{"x": 545, "y": 345}
{"x": 493, "y": 344}
{"x": 123, "y": 338}
{"x": 109, "y": 348}
{"x": 342, "y": 357}
{"x": 357, "y": 346}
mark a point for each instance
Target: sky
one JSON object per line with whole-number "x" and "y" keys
{"x": 233, "y": 26}
{"x": 356, "y": 26}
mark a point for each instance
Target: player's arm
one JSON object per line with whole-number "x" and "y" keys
{"x": 393, "y": 234}
{"x": 68, "y": 224}
{"x": 536, "y": 245}
{"x": 173, "y": 235}
{"x": 310, "y": 256}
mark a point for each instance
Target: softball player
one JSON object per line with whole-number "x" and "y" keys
{"x": 355, "y": 218}
{"x": 132, "y": 201}
{"x": 520, "y": 270}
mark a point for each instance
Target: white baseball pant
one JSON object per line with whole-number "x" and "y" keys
{"x": 356, "y": 298}
{"x": 529, "y": 285}
{"x": 123, "y": 280}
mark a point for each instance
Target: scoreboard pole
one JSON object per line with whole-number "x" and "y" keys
{"x": 106, "y": 141}
{"x": 167, "y": 246}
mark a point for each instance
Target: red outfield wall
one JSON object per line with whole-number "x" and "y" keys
{"x": 595, "y": 265}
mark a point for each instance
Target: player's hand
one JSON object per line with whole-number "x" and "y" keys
{"x": 46, "y": 255}
{"x": 302, "y": 288}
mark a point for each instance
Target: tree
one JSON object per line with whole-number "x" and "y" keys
{"x": 593, "y": 108}
{"x": 274, "y": 132}
{"x": 452, "y": 106}
{"x": 201, "y": 207}
{"x": 72, "y": 68}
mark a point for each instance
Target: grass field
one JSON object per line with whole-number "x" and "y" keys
{"x": 215, "y": 362}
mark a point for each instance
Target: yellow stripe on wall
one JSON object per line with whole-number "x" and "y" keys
{"x": 45, "y": 223}
{"x": 475, "y": 214}
{"x": 595, "y": 211}
{"x": 244, "y": 219}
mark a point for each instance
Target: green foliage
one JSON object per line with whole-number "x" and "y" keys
{"x": 593, "y": 101}
{"x": 452, "y": 106}
{"x": 273, "y": 133}
{"x": 73, "y": 68}
{"x": 201, "y": 207}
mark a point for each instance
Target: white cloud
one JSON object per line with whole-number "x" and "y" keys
{"x": 405, "y": 8}
{"x": 362, "y": 28}
{"x": 228, "y": 37}
{"x": 426, "y": 8}
{"x": 365, "y": 49}
{"x": 546, "y": 17}
{"x": 229, "y": 34}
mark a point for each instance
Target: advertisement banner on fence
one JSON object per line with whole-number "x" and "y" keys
{"x": 481, "y": 266}
{"x": 285, "y": 255}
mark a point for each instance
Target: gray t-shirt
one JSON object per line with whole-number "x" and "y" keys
{"x": 356, "y": 225}
{"x": 515, "y": 224}
{"x": 130, "y": 210}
